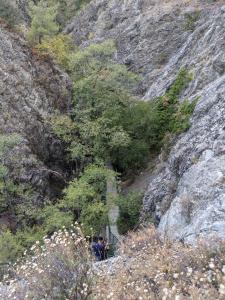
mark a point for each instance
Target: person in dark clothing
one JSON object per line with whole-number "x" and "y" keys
{"x": 101, "y": 248}
{"x": 94, "y": 248}
{"x": 98, "y": 249}
{"x": 106, "y": 249}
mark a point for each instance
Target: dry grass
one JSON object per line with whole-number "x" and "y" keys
{"x": 147, "y": 268}
{"x": 159, "y": 270}
{"x": 60, "y": 268}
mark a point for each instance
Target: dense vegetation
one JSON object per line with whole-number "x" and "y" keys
{"x": 9, "y": 13}
{"x": 43, "y": 13}
{"x": 108, "y": 125}
{"x": 130, "y": 208}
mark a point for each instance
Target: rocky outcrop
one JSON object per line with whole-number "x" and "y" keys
{"x": 186, "y": 193}
{"x": 31, "y": 89}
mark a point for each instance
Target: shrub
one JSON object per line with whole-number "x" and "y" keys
{"x": 9, "y": 13}
{"x": 10, "y": 247}
{"x": 67, "y": 9}
{"x": 59, "y": 48}
{"x": 147, "y": 268}
{"x": 152, "y": 269}
{"x": 60, "y": 268}
{"x": 94, "y": 218}
{"x": 130, "y": 207}
{"x": 8, "y": 189}
{"x": 180, "y": 121}
{"x": 191, "y": 19}
{"x": 43, "y": 21}
{"x": 86, "y": 198}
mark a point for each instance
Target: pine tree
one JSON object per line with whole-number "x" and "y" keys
{"x": 43, "y": 21}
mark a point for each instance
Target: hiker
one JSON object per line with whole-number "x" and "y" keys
{"x": 98, "y": 248}
{"x": 106, "y": 248}
{"x": 101, "y": 248}
{"x": 93, "y": 247}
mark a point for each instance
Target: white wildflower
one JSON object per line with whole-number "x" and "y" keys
{"x": 211, "y": 265}
{"x": 222, "y": 289}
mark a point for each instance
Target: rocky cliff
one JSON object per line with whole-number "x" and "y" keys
{"x": 186, "y": 192}
{"x": 31, "y": 89}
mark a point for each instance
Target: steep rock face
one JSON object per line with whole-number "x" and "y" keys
{"x": 31, "y": 89}
{"x": 186, "y": 192}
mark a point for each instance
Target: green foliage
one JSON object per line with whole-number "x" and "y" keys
{"x": 7, "y": 142}
{"x": 108, "y": 122}
{"x": 167, "y": 109}
{"x": 67, "y": 9}
{"x": 148, "y": 123}
{"x": 191, "y": 19}
{"x": 43, "y": 21}
{"x": 180, "y": 120}
{"x": 8, "y": 189}
{"x": 131, "y": 158}
{"x": 52, "y": 218}
{"x": 94, "y": 217}
{"x": 101, "y": 94}
{"x": 130, "y": 207}
{"x": 89, "y": 188}
{"x": 10, "y": 247}
{"x": 9, "y": 13}
{"x": 63, "y": 127}
{"x": 86, "y": 197}
{"x": 59, "y": 47}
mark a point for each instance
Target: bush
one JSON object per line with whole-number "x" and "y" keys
{"x": 94, "y": 218}
{"x": 43, "y": 21}
{"x": 86, "y": 198}
{"x": 130, "y": 207}
{"x": 60, "y": 268}
{"x": 180, "y": 121}
{"x": 147, "y": 268}
{"x": 152, "y": 269}
{"x": 59, "y": 48}
{"x": 10, "y": 247}
{"x": 109, "y": 122}
{"x": 9, "y": 13}
{"x": 191, "y": 19}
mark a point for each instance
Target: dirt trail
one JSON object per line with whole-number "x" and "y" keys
{"x": 141, "y": 181}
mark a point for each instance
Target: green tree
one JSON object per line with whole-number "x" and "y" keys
{"x": 94, "y": 218}
{"x": 43, "y": 21}
{"x": 130, "y": 207}
{"x": 67, "y": 9}
{"x": 9, "y": 13}
{"x": 109, "y": 122}
{"x": 58, "y": 47}
{"x": 102, "y": 92}
{"x": 86, "y": 197}
{"x": 8, "y": 189}
{"x": 10, "y": 247}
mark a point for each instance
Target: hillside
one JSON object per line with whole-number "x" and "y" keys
{"x": 155, "y": 39}
{"x": 32, "y": 90}
{"x": 112, "y": 119}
